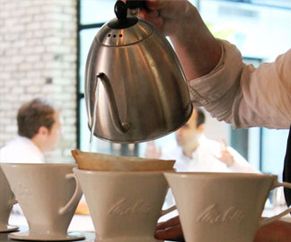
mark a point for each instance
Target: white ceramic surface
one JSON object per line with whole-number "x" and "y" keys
{"x": 72, "y": 236}
{"x": 47, "y": 194}
{"x": 124, "y": 206}
{"x": 6, "y": 203}
{"x": 221, "y": 207}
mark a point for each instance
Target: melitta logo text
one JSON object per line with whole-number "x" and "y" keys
{"x": 125, "y": 207}
{"x": 213, "y": 215}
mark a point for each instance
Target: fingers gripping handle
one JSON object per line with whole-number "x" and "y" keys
{"x": 285, "y": 212}
{"x": 76, "y": 195}
{"x": 132, "y": 4}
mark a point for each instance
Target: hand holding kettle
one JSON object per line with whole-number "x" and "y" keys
{"x": 198, "y": 51}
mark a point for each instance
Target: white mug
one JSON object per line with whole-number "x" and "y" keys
{"x": 124, "y": 206}
{"x": 222, "y": 207}
{"x": 6, "y": 203}
{"x": 48, "y": 196}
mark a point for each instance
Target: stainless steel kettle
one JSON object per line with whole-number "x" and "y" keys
{"x": 135, "y": 88}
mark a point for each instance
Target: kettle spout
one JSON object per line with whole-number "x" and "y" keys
{"x": 122, "y": 127}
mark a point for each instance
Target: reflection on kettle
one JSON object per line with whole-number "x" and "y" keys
{"x": 135, "y": 88}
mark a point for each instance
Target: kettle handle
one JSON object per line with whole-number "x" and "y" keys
{"x": 132, "y": 4}
{"x": 122, "y": 127}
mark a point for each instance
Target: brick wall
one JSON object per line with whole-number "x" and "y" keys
{"x": 38, "y": 59}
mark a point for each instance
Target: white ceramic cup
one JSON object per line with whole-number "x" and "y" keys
{"x": 6, "y": 203}
{"x": 124, "y": 206}
{"x": 222, "y": 207}
{"x": 48, "y": 196}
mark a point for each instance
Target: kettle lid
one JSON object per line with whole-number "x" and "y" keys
{"x": 123, "y": 30}
{"x": 111, "y": 37}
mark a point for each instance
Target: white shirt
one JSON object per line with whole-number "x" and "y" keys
{"x": 21, "y": 150}
{"x": 243, "y": 95}
{"x": 205, "y": 158}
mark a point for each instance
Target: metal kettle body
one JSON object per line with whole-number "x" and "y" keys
{"x": 135, "y": 88}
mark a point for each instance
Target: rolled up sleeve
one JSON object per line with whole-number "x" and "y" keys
{"x": 243, "y": 95}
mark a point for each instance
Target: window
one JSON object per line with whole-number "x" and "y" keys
{"x": 253, "y": 25}
{"x": 92, "y": 15}
{"x": 90, "y": 19}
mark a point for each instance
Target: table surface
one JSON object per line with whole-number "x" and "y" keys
{"x": 78, "y": 223}
{"x": 83, "y": 224}
{"x": 89, "y": 236}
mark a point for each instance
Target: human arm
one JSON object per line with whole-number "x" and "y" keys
{"x": 230, "y": 90}
{"x": 170, "y": 230}
{"x": 278, "y": 231}
{"x": 246, "y": 96}
{"x": 233, "y": 160}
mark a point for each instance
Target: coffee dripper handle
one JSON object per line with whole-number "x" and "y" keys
{"x": 265, "y": 221}
{"x": 75, "y": 198}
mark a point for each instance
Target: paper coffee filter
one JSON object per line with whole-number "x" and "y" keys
{"x": 104, "y": 162}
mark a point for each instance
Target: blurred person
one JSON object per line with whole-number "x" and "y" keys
{"x": 39, "y": 129}
{"x": 193, "y": 151}
{"x": 229, "y": 89}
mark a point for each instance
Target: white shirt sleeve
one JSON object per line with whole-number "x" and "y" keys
{"x": 243, "y": 95}
{"x": 21, "y": 150}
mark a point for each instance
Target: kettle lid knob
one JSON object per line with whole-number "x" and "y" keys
{"x": 122, "y": 21}
{"x": 120, "y": 9}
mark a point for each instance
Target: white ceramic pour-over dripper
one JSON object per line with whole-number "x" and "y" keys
{"x": 7, "y": 200}
{"x": 48, "y": 196}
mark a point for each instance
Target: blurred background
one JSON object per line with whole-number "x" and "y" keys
{"x": 43, "y": 50}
